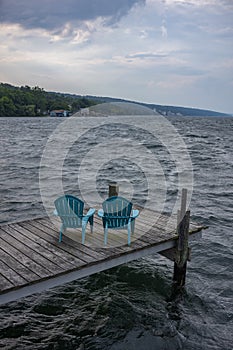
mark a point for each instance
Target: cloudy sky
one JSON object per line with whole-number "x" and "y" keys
{"x": 173, "y": 52}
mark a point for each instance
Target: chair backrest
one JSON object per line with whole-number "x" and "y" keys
{"x": 116, "y": 212}
{"x": 70, "y": 210}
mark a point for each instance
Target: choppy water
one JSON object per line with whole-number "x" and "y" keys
{"x": 132, "y": 306}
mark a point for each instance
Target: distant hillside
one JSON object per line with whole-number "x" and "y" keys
{"x": 161, "y": 109}
{"x": 165, "y": 110}
{"x": 185, "y": 111}
{"x": 35, "y": 101}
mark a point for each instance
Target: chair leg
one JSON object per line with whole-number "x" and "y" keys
{"x": 106, "y": 234}
{"x": 91, "y": 220}
{"x": 60, "y": 235}
{"x": 132, "y": 226}
{"x": 129, "y": 232}
{"x": 84, "y": 224}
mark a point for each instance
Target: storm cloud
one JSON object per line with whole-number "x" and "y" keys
{"x": 52, "y": 14}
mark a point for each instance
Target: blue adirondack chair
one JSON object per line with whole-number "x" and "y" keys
{"x": 70, "y": 210}
{"x": 117, "y": 214}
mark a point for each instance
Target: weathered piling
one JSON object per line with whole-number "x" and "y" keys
{"x": 182, "y": 249}
{"x": 113, "y": 189}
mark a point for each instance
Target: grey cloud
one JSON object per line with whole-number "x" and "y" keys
{"x": 146, "y": 55}
{"x": 52, "y": 14}
{"x": 228, "y": 4}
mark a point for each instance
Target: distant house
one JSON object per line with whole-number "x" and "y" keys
{"x": 59, "y": 113}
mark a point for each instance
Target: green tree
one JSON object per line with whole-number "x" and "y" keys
{"x": 75, "y": 105}
{"x": 7, "y": 107}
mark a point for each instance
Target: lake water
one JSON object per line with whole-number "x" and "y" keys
{"x": 132, "y": 306}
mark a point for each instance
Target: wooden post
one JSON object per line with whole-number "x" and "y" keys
{"x": 183, "y": 200}
{"x": 113, "y": 189}
{"x": 182, "y": 250}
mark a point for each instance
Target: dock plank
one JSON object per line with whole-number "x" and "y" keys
{"x": 46, "y": 241}
{"x": 14, "y": 271}
{"x": 44, "y": 257}
{"x": 23, "y": 254}
{"x": 5, "y": 283}
{"x": 85, "y": 253}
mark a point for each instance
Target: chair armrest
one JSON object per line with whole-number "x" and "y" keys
{"x": 100, "y": 213}
{"x": 134, "y": 214}
{"x": 90, "y": 212}
{"x": 55, "y": 212}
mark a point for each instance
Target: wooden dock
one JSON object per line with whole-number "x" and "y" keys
{"x": 32, "y": 260}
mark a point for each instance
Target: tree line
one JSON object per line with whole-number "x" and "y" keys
{"x": 35, "y": 101}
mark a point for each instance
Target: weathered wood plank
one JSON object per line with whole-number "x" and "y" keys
{"x": 14, "y": 271}
{"x": 154, "y": 241}
{"x": 5, "y": 283}
{"x": 157, "y": 227}
{"x": 164, "y": 218}
{"x": 85, "y": 253}
{"x": 23, "y": 254}
{"x": 44, "y": 257}
{"x": 69, "y": 261}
